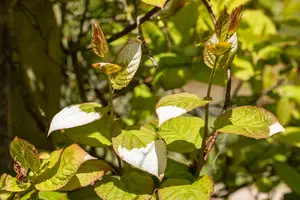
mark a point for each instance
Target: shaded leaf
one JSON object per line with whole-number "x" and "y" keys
{"x": 184, "y": 189}
{"x": 25, "y": 154}
{"x": 176, "y": 170}
{"x": 107, "y": 68}
{"x": 55, "y": 195}
{"x": 75, "y": 115}
{"x": 158, "y": 3}
{"x": 133, "y": 186}
{"x": 59, "y": 173}
{"x": 250, "y": 121}
{"x": 99, "y": 43}
{"x": 95, "y": 134}
{"x": 141, "y": 149}
{"x": 289, "y": 175}
{"x": 128, "y": 58}
{"x": 182, "y": 134}
{"x": 89, "y": 172}
{"x": 172, "y": 106}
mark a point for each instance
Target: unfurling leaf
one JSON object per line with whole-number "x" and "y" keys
{"x": 132, "y": 186}
{"x": 222, "y": 26}
{"x": 107, "y": 68}
{"x": 25, "y": 154}
{"x": 99, "y": 43}
{"x": 172, "y": 106}
{"x": 226, "y": 58}
{"x": 250, "y": 121}
{"x": 128, "y": 58}
{"x": 61, "y": 167}
{"x": 218, "y": 48}
{"x": 158, "y": 3}
{"x": 75, "y": 115}
{"x": 185, "y": 189}
{"x": 141, "y": 149}
{"x": 234, "y": 20}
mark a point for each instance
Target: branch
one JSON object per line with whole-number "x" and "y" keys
{"x": 134, "y": 25}
{"x": 141, "y": 36}
{"x": 208, "y": 8}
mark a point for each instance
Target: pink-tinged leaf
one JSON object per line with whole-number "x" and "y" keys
{"x": 99, "y": 43}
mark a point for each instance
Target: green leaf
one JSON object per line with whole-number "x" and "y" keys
{"x": 284, "y": 110}
{"x": 11, "y": 184}
{"x": 292, "y": 136}
{"x": 75, "y": 115}
{"x": 131, "y": 186}
{"x": 172, "y": 106}
{"x": 89, "y": 172}
{"x": 141, "y": 149}
{"x": 128, "y": 58}
{"x": 222, "y": 25}
{"x": 158, "y": 3}
{"x": 250, "y": 121}
{"x": 243, "y": 69}
{"x": 289, "y": 175}
{"x": 184, "y": 189}
{"x": 95, "y": 134}
{"x": 182, "y": 134}
{"x": 226, "y": 58}
{"x": 58, "y": 172}
{"x": 43, "y": 195}
{"x": 176, "y": 170}
{"x": 25, "y": 153}
{"x": 87, "y": 193}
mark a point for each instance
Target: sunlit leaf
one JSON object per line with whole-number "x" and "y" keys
{"x": 55, "y": 195}
{"x": 11, "y": 184}
{"x": 75, "y": 115}
{"x": 133, "y": 186}
{"x": 128, "y": 58}
{"x": 226, "y": 58}
{"x": 185, "y": 189}
{"x": 141, "y": 149}
{"x": 172, "y": 106}
{"x": 234, "y": 20}
{"x": 182, "y": 134}
{"x": 292, "y": 136}
{"x": 89, "y": 172}
{"x": 222, "y": 26}
{"x": 158, "y": 3}
{"x": 284, "y": 110}
{"x": 218, "y": 48}
{"x": 107, "y": 68}
{"x": 25, "y": 153}
{"x": 99, "y": 43}
{"x": 4, "y": 195}
{"x": 250, "y": 121}
{"x": 60, "y": 169}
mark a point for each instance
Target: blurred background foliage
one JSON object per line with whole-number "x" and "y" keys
{"x": 46, "y": 57}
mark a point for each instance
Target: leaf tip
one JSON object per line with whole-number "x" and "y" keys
{"x": 276, "y": 128}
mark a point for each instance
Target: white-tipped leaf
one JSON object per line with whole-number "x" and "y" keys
{"x": 75, "y": 115}
{"x": 128, "y": 58}
{"x": 141, "y": 149}
{"x": 172, "y": 106}
{"x": 250, "y": 121}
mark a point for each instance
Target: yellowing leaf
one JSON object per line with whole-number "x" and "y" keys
{"x": 158, "y": 3}
{"x": 99, "y": 43}
{"x": 107, "y": 68}
{"x": 222, "y": 25}
{"x": 11, "y": 184}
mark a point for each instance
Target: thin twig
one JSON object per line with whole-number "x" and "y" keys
{"x": 141, "y": 36}
{"x": 208, "y": 8}
{"x": 228, "y": 89}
